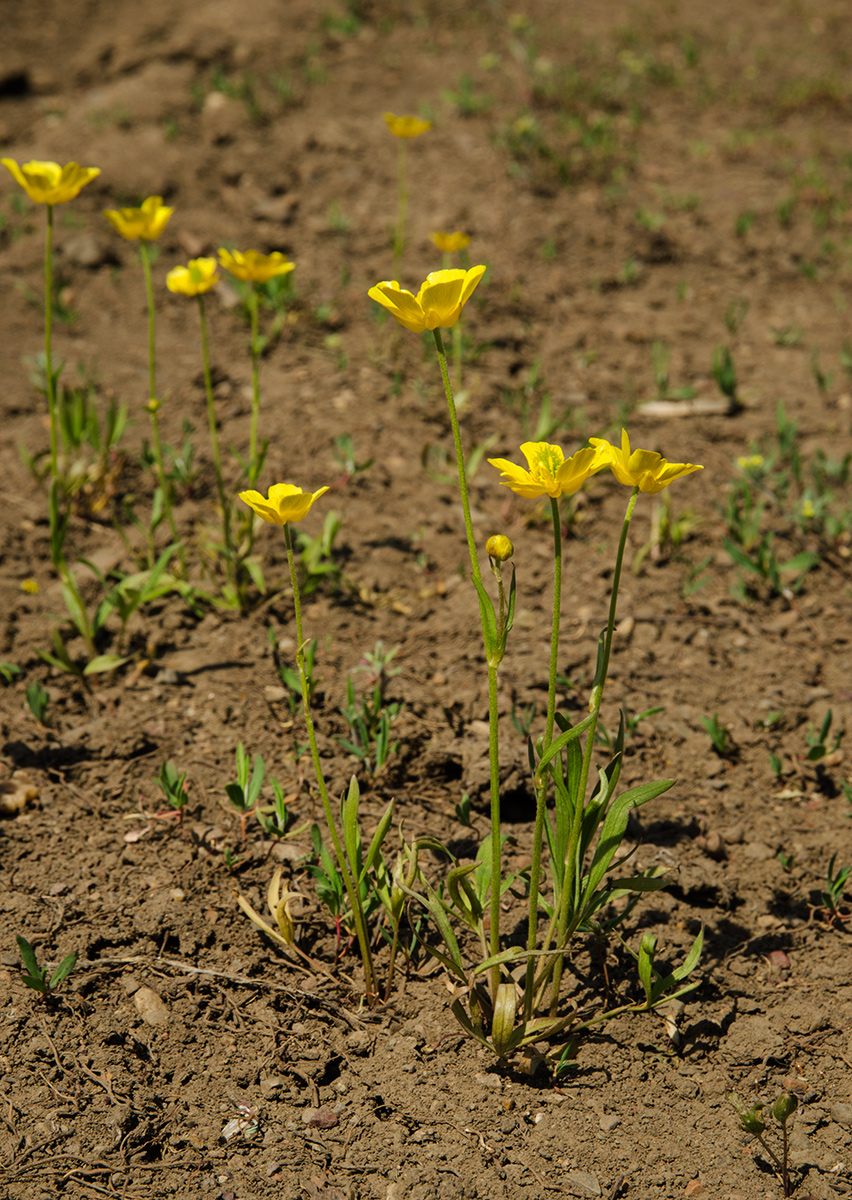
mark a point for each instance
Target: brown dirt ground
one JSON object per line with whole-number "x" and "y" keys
{"x": 606, "y": 223}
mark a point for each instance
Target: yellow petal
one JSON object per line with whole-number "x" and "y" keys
{"x": 400, "y": 303}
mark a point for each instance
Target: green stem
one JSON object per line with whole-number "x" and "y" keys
{"x": 153, "y": 403}
{"x": 48, "y": 329}
{"x": 457, "y": 354}
{"x": 214, "y": 442}
{"x": 496, "y": 865}
{"x": 541, "y": 790}
{"x": 401, "y": 203}
{"x": 255, "y": 385}
{"x": 454, "y": 421}
{"x": 351, "y": 891}
{"x": 564, "y": 929}
{"x": 494, "y": 759}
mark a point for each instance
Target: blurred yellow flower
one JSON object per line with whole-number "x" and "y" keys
{"x": 438, "y": 304}
{"x": 198, "y": 276}
{"x": 30, "y": 586}
{"x": 550, "y": 472}
{"x": 750, "y": 462}
{"x": 254, "y": 267}
{"x": 645, "y": 469}
{"x": 146, "y": 222}
{"x": 406, "y": 127}
{"x": 450, "y": 243}
{"x": 285, "y": 502}
{"x": 47, "y": 182}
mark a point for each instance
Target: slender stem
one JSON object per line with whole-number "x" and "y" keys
{"x": 563, "y": 927}
{"x": 401, "y": 202}
{"x": 454, "y": 421}
{"x": 494, "y": 758}
{"x": 496, "y": 866}
{"x": 153, "y": 403}
{"x": 48, "y": 328}
{"x": 541, "y": 790}
{"x": 351, "y": 892}
{"x": 214, "y": 440}
{"x": 255, "y": 386}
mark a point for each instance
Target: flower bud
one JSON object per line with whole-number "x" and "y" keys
{"x": 499, "y": 547}
{"x": 784, "y": 1107}
{"x": 153, "y": 405}
{"x": 751, "y": 1121}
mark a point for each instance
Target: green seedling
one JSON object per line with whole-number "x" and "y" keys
{"x": 173, "y": 786}
{"x": 275, "y": 818}
{"x": 38, "y": 699}
{"x": 660, "y": 358}
{"x": 316, "y": 555}
{"x": 720, "y": 735}
{"x": 752, "y": 1121}
{"x": 370, "y": 719}
{"x": 818, "y": 740}
{"x": 245, "y": 792}
{"x": 9, "y": 671}
{"x": 39, "y": 978}
{"x": 776, "y": 765}
{"x": 787, "y": 335}
{"x": 725, "y": 374}
{"x": 833, "y": 895}
{"x": 344, "y": 453}
{"x": 735, "y": 313}
{"x": 822, "y": 379}
{"x": 463, "y": 811}
{"x": 786, "y": 861}
{"x": 631, "y": 727}
{"x": 523, "y": 718}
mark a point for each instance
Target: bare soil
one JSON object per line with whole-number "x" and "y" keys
{"x": 675, "y": 172}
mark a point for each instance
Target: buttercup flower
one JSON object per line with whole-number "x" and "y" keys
{"x": 147, "y": 222}
{"x": 438, "y": 304}
{"x": 645, "y": 469}
{"x": 30, "y": 586}
{"x": 550, "y": 472}
{"x": 47, "y": 182}
{"x": 406, "y": 127}
{"x": 750, "y": 462}
{"x": 198, "y": 276}
{"x": 285, "y": 502}
{"x": 450, "y": 243}
{"x": 254, "y": 267}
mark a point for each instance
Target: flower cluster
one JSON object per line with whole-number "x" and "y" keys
{"x": 549, "y": 473}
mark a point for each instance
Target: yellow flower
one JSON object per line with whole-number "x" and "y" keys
{"x": 750, "y": 462}
{"x": 808, "y": 509}
{"x": 406, "y": 127}
{"x": 438, "y": 304}
{"x": 254, "y": 267}
{"x": 550, "y": 472}
{"x": 645, "y": 469}
{"x": 30, "y": 586}
{"x": 285, "y": 502}
{"x": 47, "y": 182}
{"x": 146, "y": 222}
{"x": 198, "y": 276}
{"x": 449, "y": 243}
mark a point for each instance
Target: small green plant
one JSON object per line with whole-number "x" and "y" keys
{"x": 245, "y": 792}
{"x": 463, "y": 811}
{"x": 344, "y": 453}
{"x": 172, "y": 784}
{"x": 786, "y": 335}
{"x": 630, "y": 726}
{"x": 275, "y": 818}
{"x": 833, "y": 895}
{"x": 752, "y": 1122}
{"x": 370, "y": 719}
{"x": 38, "y": 699}
{"x": 465, "y": 99}
{"x": 787, "y": 861}
{"x": 660, "y": 358}
{"x": 818, "y": 740}
{"x": 744, "y": 222}
{"x": 719, "y": 734}
{"x": 822, "y": 379}
{"x": 725, "y": 374}
{"x": 316, "y": 555}
{"x": 9, "y": 671}
{"x": 39, "y": 978}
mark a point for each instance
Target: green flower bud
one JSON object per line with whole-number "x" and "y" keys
{"x": 784, "y": 1107}
{"x": 751, "y": 1121}
{"x": 499, "y": 547}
